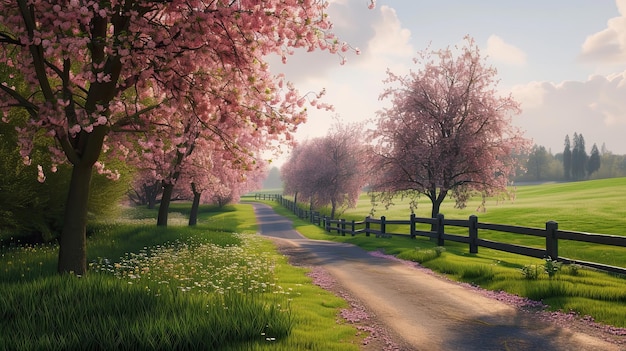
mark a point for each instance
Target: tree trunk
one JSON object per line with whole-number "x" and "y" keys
{"x": 164, "y": 206}
{"x": 73, "y": 240}
{"x": 437, "y": 207}
{"x": 333, "y": 207}
{"x": 193, "y": 216}
{"x": 151, "y": 191}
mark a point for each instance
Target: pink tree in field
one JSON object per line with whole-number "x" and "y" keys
{"x": 292, "y": 173}
{"x": 88, "y": 70}
{"x": 447, "y": 131}
{"x": 331, "y": 170}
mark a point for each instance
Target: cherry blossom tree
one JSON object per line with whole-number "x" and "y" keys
{"x": 208, "y": 179}
{"x": 86, "y": 70}
{"x": 331, "y": 170}
{"x": 292, "y": 173}
{"x": 447, "y": 131}
{"x": 144, "y": 189}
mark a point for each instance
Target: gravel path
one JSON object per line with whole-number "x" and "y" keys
{"x": 408, "y": 308}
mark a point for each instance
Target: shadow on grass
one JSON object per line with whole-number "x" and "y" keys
{"x": 103, "y": 313}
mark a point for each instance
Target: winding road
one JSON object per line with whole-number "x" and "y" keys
{"x": 425, "y": 311}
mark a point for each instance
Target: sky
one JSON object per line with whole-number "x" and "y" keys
{"x": 564, "y": 61}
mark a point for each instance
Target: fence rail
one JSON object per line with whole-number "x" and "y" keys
{"x": 551, "y": 233}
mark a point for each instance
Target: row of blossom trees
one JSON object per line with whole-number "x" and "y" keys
{"x": 328, "y": 170}
{"x": 446, "y": 133}
{"x": 153, "y": 82}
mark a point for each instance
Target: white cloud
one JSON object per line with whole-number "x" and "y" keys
{"x": 609, "y": 44}
{"x": 503, "y": 52}
{"x": 391, "y": 39}
{"x": 595, "y": 107}
{"x": 530, "y": 95}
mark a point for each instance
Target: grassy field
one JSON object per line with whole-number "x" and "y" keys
{"x": 597, "y": 206}
{"x": 168, "y": 288}
{"x": 207, "y": 288}
{"x": 591, "y": 206}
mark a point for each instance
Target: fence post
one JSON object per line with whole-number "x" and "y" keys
{"x": 383, "y": 226}
{"x": 440, "y": 229}
{"x": 352, "y": 228}
{"x": 367, "y": 226}
{"x": 412, "y": 225}
{"x": 552, "y": 243}
{"x": 473, "y": 234}
{"x": 326, "y": 224}
{"x": 343, "y": 227}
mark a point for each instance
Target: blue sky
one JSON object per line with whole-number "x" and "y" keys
{"x": 564, "y": 61}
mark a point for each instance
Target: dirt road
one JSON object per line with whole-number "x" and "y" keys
{"x": 425, "y": 311}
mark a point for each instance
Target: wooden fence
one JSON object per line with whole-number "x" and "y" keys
{"x": 267, "y": 196}
{"x": 551, "y": 233}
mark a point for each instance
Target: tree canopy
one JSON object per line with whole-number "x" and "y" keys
{"x": 446, "y": 131}
{"x": 88, "y": 71}
{"x": 330, "y": 170}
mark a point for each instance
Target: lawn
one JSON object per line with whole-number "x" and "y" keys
{"x": 214, "y": 286}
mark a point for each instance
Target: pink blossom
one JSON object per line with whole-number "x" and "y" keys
{"x": 75, "y": 129}
{"x": 102, "y": 120}
{"x": 41, "y": 177}
{"x": 164, "y": 70}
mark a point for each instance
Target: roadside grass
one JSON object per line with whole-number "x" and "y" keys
{"x": 178, "y": 287}
{"x": 592, "y": 206}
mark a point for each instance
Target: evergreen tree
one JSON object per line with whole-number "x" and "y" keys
{"x": 567, "y": 159}
{"x": 579, "y": 157}
{"x": 538, "y": 162}
{"x": 593, "y": 164}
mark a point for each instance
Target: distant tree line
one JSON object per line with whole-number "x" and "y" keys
{"x": 572, "y": 164}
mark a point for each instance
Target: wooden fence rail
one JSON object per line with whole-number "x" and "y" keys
{"x": 438, "y": 226}
{"x": 267, "y": 196}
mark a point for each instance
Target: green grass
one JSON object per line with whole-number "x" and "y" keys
{"x": 168, "y": 288}
{"x": 595, "y": 206}
{"x": 590, "y": 206}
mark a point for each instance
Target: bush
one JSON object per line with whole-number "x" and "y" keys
{"x": 32, "y": 211}
{"x": 551, "y": 267}
{"x": 531, "y": 271}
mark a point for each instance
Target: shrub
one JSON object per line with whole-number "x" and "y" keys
{"x": 439, "y": 250}
{"x": 531, "y": 271}
{"x": 551, "y": 267}
{"x": 33, "y": 211}
{"x": 574, "y": 269}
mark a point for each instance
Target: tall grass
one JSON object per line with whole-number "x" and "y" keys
{"x": 167, "y": 288}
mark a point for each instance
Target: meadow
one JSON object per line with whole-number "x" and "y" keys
{"x": 220, "y": 286}
{"x": 596, "y": 206}
{"x": 214, "y": 286}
